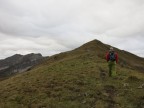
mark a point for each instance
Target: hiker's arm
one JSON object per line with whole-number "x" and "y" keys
{"x": 107, "y": 57}
{"x": 116, "y": 58}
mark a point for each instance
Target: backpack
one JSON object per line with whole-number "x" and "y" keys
{"x": 112, "y": 56}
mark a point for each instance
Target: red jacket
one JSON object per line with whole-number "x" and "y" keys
{"x": 108, "y": 56}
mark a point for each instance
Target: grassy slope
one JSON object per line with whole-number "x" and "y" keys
{"x": 71, "y": 80}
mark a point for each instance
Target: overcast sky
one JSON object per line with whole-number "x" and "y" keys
{"x": 52, "y": 26}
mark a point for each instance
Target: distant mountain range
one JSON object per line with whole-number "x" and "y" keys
{"x": 18, "y": 63}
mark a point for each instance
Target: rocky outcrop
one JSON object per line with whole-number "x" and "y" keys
{"x": 18, "y": 63}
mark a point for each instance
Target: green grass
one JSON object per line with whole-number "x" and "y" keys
{"x": 73, "y": 81}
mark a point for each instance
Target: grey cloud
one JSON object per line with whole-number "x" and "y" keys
{"x": 53, "y": 26}
{"x": 23, "y": 45}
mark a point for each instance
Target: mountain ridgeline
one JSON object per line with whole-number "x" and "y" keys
{"x": 75, "y": 79}
{"x": 126, "y": 59}
{"x": 18, "y": 63}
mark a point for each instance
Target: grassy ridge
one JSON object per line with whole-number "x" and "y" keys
{"x": 73, "y": 80}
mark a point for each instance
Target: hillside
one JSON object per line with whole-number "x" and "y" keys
{"x": 126, "y": 59}
{"x": 73, "y": 79}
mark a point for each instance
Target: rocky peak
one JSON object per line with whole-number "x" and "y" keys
{"x": 18, "y": 63}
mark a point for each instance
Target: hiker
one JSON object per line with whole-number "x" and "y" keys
{"x": 112, "y": 59}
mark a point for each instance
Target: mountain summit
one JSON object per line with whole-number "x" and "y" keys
{"x": 77, "y": 79}
{"x": 126, "y": 59}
